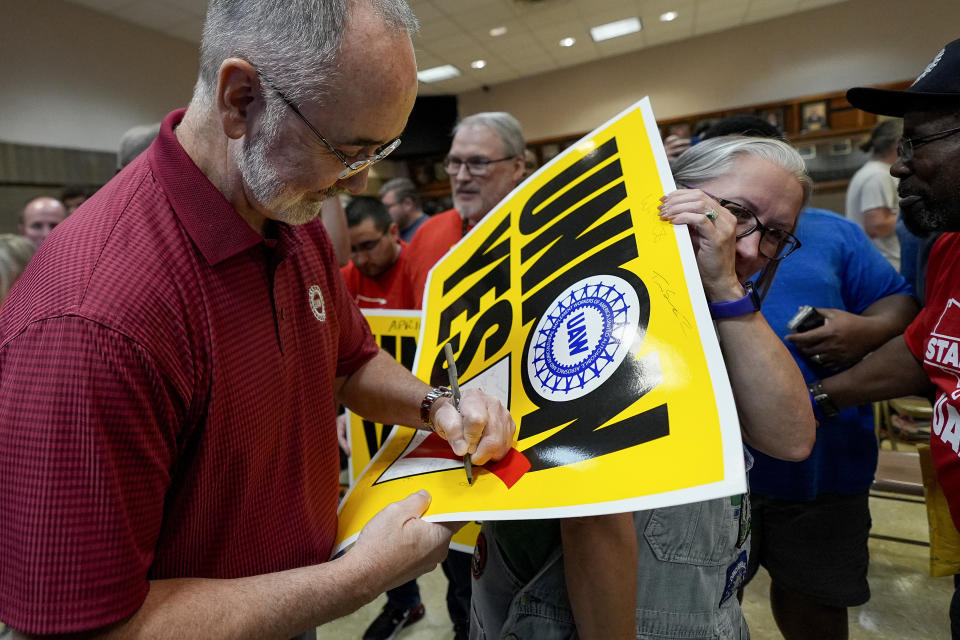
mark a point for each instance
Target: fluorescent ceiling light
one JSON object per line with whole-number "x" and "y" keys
{"x": 478, "y": 64}
{"x": 436, "y": 74}
{"x": 669, "y": 16}
{"x": 615, "y": 29}
{"x": 568, "y": 42}
{"x": 498, "y": 31}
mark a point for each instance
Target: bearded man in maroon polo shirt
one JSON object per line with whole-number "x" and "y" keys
{"x": 170, "y": 368}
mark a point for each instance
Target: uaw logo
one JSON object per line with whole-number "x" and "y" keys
{"x": 559, "y": 263}
{"x": 583, "y": 337}
{"x": 943, "y": 352}
{"x": 317, "y": 306}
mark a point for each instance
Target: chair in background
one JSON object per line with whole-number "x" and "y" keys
{"x": 905, "y": 419}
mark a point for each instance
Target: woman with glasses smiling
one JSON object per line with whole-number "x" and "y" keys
{"x": 740, "y": 198}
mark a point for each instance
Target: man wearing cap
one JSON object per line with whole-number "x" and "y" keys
{"x": 927, "y": 356}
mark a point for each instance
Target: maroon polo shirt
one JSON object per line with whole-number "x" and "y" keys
{"x": 166, "y": 398}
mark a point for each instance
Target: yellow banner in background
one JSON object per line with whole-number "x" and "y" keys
{"x": 583, "y": 312}
{"x": 396, "y": 331}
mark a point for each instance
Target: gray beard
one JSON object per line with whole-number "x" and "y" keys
{"x": 266, "y": 187}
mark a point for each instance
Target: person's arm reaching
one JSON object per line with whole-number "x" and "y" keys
{"x": 879, "y": 222}
{"x": 845, "y": 338}
{"x": 394, "y": 547}
{"x": 600, "y": 567}
{"x": 889, "y": 372}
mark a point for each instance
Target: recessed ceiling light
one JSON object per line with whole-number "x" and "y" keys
{"x": 568, "y": 42}
{"x": 615, "y": 29}
{"x": 478, "y": 64}
{"x": 436, "y": 74}
{"x": 669, "y": 16}
{"x": 498, "y": 31}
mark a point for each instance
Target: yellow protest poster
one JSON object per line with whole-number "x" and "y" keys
{"x": 583, "y": 312}
{"x": 396, "y": 331}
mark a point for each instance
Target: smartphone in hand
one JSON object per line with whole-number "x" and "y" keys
{"x": 805, "y": 319}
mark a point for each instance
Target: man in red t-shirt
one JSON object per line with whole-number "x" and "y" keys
{"x": 485, "y": 163}
{"x": 377, "y": 276}
{"x": 927, "y": 357}
{"x": 171, "y": 360}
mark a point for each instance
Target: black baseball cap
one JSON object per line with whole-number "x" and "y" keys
{"x": 937, "y": 87}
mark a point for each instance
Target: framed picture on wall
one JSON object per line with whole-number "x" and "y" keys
{"x": 841, "y": 147}
{"x": 813, "y": 116}
{"x": 807, "y": 151}
{"x": 773, "y": 116}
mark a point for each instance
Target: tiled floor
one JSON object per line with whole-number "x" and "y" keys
{"x": 906, "y": 602}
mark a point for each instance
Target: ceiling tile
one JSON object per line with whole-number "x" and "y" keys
{"x": 623, "y": 44}
{"x": 770, "y": 9}
{"x": 457, "y": 31}
{"x": 438, "y": 28}
{"x": 425, "y": 10}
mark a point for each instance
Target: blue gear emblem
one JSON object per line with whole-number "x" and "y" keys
{"x": 582, "y": 337}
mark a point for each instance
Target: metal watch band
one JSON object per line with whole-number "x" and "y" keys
{"x": 427, "y": 404}
{"x": 749, "y": 303}
{"x": 823, "y": 400}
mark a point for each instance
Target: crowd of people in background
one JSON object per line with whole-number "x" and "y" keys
{"x": 127, "y": 314}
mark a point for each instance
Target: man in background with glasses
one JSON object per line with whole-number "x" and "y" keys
{"x": 377, "y": 276}
{"x": 927, "y": 356}
{"x": 171, "y": 364}
{"x": 485, "y": 163}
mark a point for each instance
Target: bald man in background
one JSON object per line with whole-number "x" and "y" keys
{"x": 39, "y": 218}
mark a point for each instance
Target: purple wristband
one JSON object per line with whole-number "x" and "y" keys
{"x": 749, "y": 303}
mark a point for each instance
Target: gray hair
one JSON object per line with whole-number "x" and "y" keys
{"x": 15, "y": 253}
{"x": 297, "y": 42}
{"x": 404, "y": 189}
{"x": 715, "y": 157}
{"x": 135, "y": 141}
{"x": 884, "y": 137}
{"x": 503, "y": 124}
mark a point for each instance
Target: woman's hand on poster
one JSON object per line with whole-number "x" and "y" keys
{"x": 713, "y": 231}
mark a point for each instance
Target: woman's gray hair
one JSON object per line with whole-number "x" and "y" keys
{"x": 503, "y": 124}
{"x": 15, "y": 253}
{"x": 293, "y": 43}
{"x": 715, "y": 157}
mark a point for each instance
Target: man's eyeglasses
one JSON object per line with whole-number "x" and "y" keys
{"x": 352, "y": 168}
{"x": 906, "y": 145}
{"x": 775, "y": 244}
{"x": 367, "y": 246}
{"x": 475, "y": 166}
